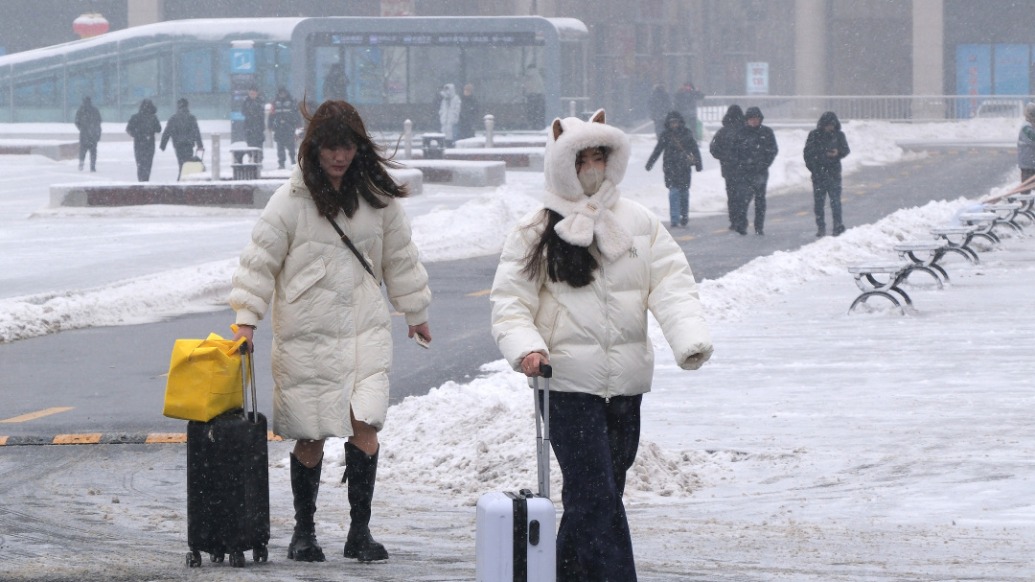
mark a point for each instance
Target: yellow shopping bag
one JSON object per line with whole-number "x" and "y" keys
{"x": 204, "y": 378}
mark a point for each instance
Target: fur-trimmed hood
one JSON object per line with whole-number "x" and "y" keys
{"x": 567, "y": 137}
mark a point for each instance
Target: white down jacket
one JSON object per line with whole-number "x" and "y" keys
{"x": 332, "y": 343}
{"x": 596, "y": 336}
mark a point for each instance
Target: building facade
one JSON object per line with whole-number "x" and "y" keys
{"x": 723, "y": 47}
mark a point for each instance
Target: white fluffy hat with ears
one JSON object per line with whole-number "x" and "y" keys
{"x": 567, "y": 137}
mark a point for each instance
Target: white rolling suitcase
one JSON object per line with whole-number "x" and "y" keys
{"x": 516, "y": 535}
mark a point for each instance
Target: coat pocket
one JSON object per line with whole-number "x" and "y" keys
{"x": 305, "y": 279}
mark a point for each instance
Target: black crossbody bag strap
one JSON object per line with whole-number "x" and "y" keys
{"x": 345, "y": 239}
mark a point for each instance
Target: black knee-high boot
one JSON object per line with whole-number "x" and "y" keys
{"x": 360, "y": 472}
{"x": 305, "y": 484}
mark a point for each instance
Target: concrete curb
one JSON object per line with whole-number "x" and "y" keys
{"x": 97, "y": 438}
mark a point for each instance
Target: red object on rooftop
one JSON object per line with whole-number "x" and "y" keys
{"x": 90, "y": 24}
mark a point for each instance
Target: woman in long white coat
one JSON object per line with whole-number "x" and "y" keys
{"x": 449, "y": 111}
{"x": 573, "y": 288}
{"x": 321, "y": 249}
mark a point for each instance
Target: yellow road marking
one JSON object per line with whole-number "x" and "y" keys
{"x": 685, "y": 237}
{"x": 166, "y": 437}
{"x": 38, "y": 414}
{"x": 77, "y": 439}
{"x": 481, "y": 293}
{"x": 3, "y": 441}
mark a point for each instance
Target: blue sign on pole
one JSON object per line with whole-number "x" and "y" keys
{"x": 242, "y": 61}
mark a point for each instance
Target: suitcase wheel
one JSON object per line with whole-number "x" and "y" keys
{"x": 193, "y": 559}
{"x": 218, "y": 557}
{"x": 260, "y": 554}
{"x": 237, "y": 559}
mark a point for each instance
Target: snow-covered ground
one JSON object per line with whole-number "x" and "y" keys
{"x": 815, "y": 445}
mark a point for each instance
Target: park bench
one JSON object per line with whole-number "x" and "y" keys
{"x": 1027, "y": 202}
{"x": 1006, "y": 213}
{"x": 983, "y": 224}
{"x": 958, "y": 239}
{"x": 882, "y": 280}
{"x": 925, "y": 255}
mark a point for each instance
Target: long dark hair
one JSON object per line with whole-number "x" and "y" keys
{"x": 564, "y": 262}
{"x": 334, "y": 124}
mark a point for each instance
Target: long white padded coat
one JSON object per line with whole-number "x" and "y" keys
{"x": 332, "y": 342}
{"x": 596, "y": 337}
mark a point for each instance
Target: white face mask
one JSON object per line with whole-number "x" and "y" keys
{"x": 591, "y": 179}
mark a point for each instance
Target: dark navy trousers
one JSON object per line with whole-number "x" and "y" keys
{"x": 595, "y": 442}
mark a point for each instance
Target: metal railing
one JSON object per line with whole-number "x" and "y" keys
{"x": 807, "y": 109}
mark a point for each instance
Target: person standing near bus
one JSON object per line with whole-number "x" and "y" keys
{"x": 449, "y": 111}
{"x": 254, "y": 112}
{"x": 88, "y": 122}
{"x": 284, "y": 120}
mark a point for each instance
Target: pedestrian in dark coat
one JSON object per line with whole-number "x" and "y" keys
{"x": 825, "y": 147}
{"x": 723, "y": 148}
{"x": 470, "y": 113}
{"x": 182, "y": 129}
{"x": 143, "y": 126}
{"x": 755, "y": 151}
{"x": 88, "y": 122}
{"x": 681, "y": 154}
{"x": 254, "y": 112}
{"x": 284, "y": 120}
{"x": 660, "y": 105}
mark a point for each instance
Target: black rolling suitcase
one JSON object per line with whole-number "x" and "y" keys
{"x": 228, "y": 495}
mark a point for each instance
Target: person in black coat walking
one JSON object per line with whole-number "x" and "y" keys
{"x": 723, "y": 148}
{"x": 143, "y": 126}
{"x": 680, "y": 151}
{"x": 88, "y": 122}
{"x": 254, "y": 122}
{"x": 825, "y": 147}
{"x": 754, "y": 153}
{"x": 284, "y": 120}
{"x": 182, "y": 129}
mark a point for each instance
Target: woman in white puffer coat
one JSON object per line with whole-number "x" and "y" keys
{"x": 573, "y": 289}
{"x": 332, "y": 343}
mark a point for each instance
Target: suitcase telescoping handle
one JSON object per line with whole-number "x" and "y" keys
{"x": 542, "y": 435}
{"x": 248, "y": 382}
